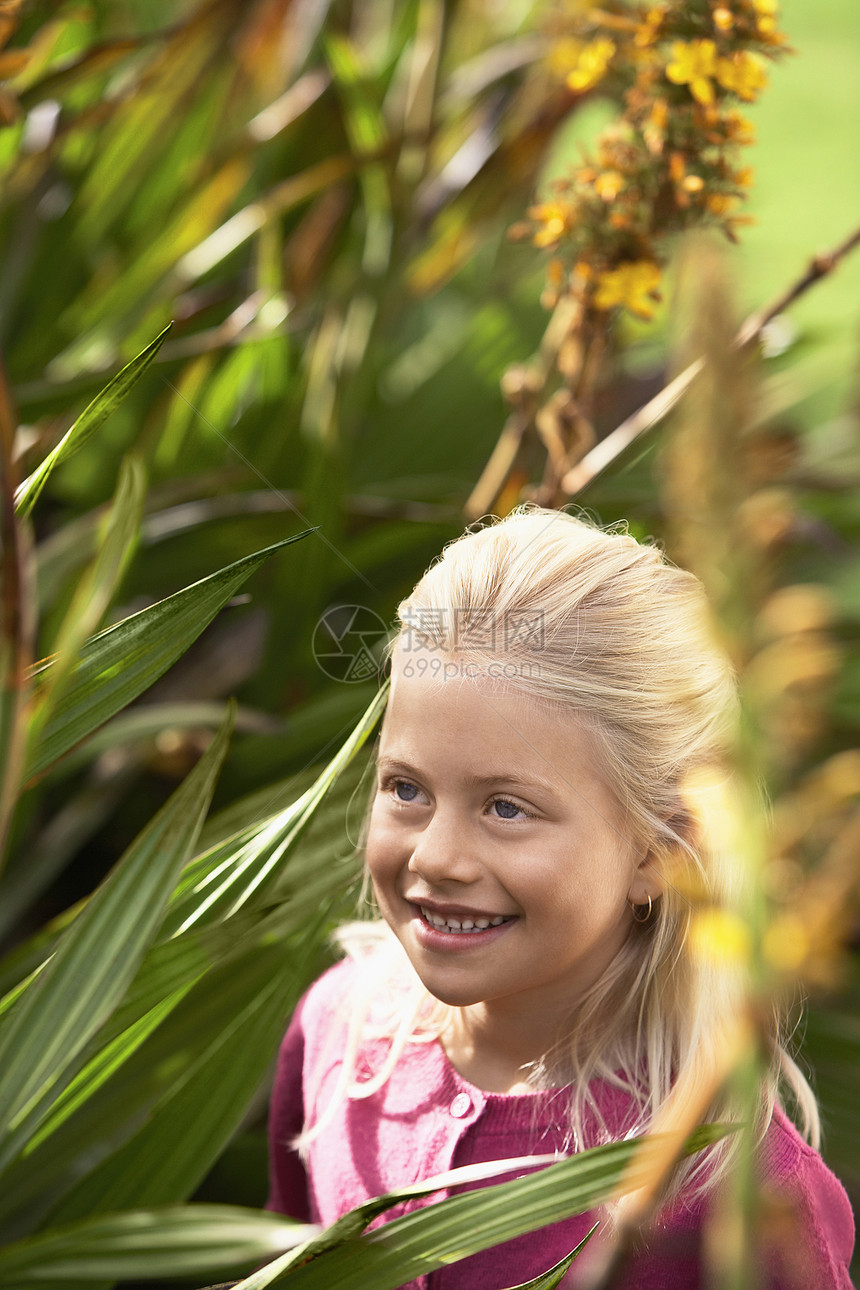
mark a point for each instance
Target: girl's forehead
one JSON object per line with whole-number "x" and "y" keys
{"x": 455, "y": 717}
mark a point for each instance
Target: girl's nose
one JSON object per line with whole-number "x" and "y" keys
{"x": 444, "y": 851}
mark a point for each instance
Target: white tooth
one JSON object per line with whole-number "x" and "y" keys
{"x": 494, "y": 922}
{"x": 481, "y": 923}
{"x": 467, "y": 924}
{"x": 454, "y": 925}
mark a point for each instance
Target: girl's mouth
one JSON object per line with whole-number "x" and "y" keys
{"x": 464, "y": 924}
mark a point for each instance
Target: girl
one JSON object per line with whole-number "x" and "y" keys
{"x": 553, "y": 689}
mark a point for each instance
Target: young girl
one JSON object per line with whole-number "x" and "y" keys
{"x": 553, "y": 690}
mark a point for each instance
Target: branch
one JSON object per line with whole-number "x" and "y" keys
{"x": 603, "y": 454}
{"x": 819, "y": 267}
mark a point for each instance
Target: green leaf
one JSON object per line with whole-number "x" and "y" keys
{"x": 206, "y": 1083}
{"x": 145, "y": 721}
{"x": 552, "y": 1277}
{"x": 224, "y": 880}
{"x": 95, "y": 589}
{"x": 91, "y": 419}
{"x": 17, "y": 629}
{"x": 124, "y": 660}
{"x": 177, "y": 1026}
{"x": 170, "y": 1242}
{"x": 98, "y": 957}
{"x": 437, "y": 1235}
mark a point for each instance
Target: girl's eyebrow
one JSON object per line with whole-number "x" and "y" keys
{"x": 505, "y": 777}
{"x": 479, "y": 781}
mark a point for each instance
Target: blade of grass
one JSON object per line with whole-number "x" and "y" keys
{"x": 99, "y": 955}
{"x": 91, "y": 419}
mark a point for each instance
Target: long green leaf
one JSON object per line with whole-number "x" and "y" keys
{"x": 226, "y": 879}
{"x": 323, "y": 878}
{"x": 552, "y": 1277}
{"x": 17, "y": 628}
{"x": 202, "y": 1105}
{"x": 96, "y": 588}
{"x": 91, "y": 419}
{"x": 439, "y": 1234}
{"x": 98, "y": 957}
{"x": 170, "y": 1242}
{"x": 124, "y": 660}
{"x": 127, "y": 1086}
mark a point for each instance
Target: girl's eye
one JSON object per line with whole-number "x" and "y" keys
{"x": 403, "y": 791}
{"x": 506, "y": 810}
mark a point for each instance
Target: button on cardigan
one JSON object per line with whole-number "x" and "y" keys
{"x": 427, "y": 1119}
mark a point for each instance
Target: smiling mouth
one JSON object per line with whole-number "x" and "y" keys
{"x": 463, "y": 925}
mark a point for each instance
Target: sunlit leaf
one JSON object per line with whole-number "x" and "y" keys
{"x": 96, "y": 588}
{"x": 552, "y": 1277}
{"x": 226, "y": 879}
{"x": 17, "y": 628}
{"x": 170, "y": 1242}
{"x": 98, "y": 956}
{"x": 424, "y": 1239}
{"x": 91, "y": 419}
{"x": 201, "y": 1101}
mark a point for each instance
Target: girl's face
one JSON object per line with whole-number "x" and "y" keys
{"x": 499, "y": 855}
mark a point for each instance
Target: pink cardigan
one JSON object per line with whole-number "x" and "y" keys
{"x": 427, "y": 1119}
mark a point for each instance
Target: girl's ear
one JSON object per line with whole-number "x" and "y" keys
{"x": 647, "y": 881}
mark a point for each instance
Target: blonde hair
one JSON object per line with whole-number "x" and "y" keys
{"x": 622, "y": 640}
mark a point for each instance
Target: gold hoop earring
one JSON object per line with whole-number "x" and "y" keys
{"x": 639, "y": 917}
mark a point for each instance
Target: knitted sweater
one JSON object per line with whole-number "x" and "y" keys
{"x": 427, "y": 1119}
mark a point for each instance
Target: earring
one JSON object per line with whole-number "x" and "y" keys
{"x": 640, "y": 917}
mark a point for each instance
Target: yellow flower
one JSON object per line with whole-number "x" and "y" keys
{"x": 591, "y": 65}
{"x": 609, "y": 184}
{"x": 723, "y": 19}
{"x": 647, "y": 32}
{"x": 677, "y": 168}
{"x": 721, "y": 203}
{"x": 694, "y": 63}
{"x": 767, "y": 8}
{"x": 744, "y": 74}
{"x": 738, "y": 129}
{"x": 720, "y": 936}
{"x": 631, "y": 285}
{"x": 564, "y": 55}
{"x": 786, "y": 943}
{"x": 556, "y": 218}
